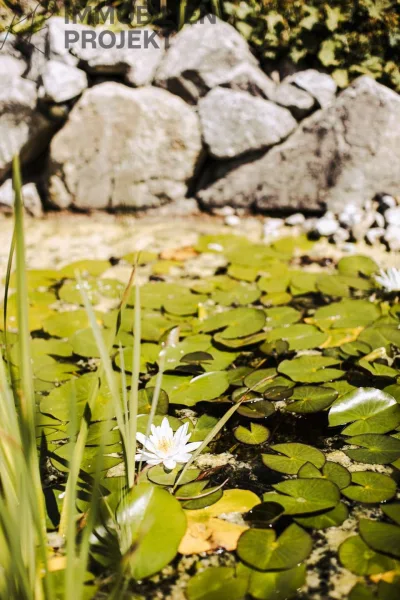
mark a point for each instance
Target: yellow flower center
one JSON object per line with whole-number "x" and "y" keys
{"x": 165, "y": 444}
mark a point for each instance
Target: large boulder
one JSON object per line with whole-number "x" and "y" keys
{"x": 202, "y": 57}
{"x": 124, "y": 147}
{"x": 135, "y": 54}
{"x": 12, "y": 62}
{"x": 343, "y": 154}
{"x": 234, "y": 123}
{"x": 23, "y": 129}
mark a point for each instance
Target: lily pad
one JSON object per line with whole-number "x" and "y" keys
{"x": 345, "y": 314}
{"x": 331, "y": 518}
{"x": 279, "y": 585}
{"x": 216, "y": 583}
{"x": 370, "y": 487}
{"x": 360, "y": 559}
{"x": 368, "y": 409}
{"x": 189, "y": 391}
{"x": 310, "y": 369}
{"x": 311, "y": 399}
{"x": 304, "y": 496}
{"x": 299, "y": 336}
{"x": 260, "y": 549}
{"x": 161, "y": 476}
{"x": 377, "y": 449}
{"x": 393, "y": 512}
{"x": 257, "y": 434}
{"x": 295, "y": 456}
{"x": 381, "y": 537}
{"x": 237, "y": 323}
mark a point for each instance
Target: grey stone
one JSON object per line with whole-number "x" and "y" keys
{"x": 392, "y": 216}
{"x": 12, "y": 62}
{"x": 319, "y": 85}
{"x": 360, "y": 230}
{"x": 341, "y": 236}
{"x": 246, "y": 77}
{"x": 135, "y": 55}
{"x": 374, "y": 235}
{"x": 32, "y": 202}
{"x": 392, "y": 237}
{"x": 351, "y": 215}
{"x": 131, "y": 147}
{"x": 385, "y": 201}
{"x": 299, "y": 102}
{"x": 296, "y": 219}
{"x": 234, "y": 123}
{"x": 333, "y": 159}
{"x": 36, "y": 52}
{"x": 62, "y": 82}
{"x": 23, "y": 129}
{"x": 327, "y": 225}
{"x": 201, "y": 57}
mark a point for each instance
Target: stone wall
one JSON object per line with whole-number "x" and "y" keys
{"x": 145, "y": 122}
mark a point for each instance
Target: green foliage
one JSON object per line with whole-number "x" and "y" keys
{"x": 345, "y": 38}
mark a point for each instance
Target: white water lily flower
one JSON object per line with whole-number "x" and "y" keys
{"x": 163, "y": 446}
{"x": 389, "y": 280}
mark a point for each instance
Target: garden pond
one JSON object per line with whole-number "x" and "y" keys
{"x": 297, "y": 495}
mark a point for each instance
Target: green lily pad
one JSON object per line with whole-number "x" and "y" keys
{"x": 357, "y": 265}
{"x": 346, "y": 314}
{"x": 242, "y": 294}
{"x": 279, "y": 585}
{"x": 143, "y": 512}
{"x": 304, "y": 496}
{"x": 281, "y": 316}
{"x": 188, "y": 391}
{"x": 84, "y": 268}
{"x": 257, "y": 434}
{"x": 145, "y": 398}
{"x": 237, "y": 323}
{"x": 216, "y": 583}
{"x": 370, "y": 487}
{"x": 260, "y": 549}
{"x": 295, "y": 456}
{"x": 310, "y": 369}
{"x": 377, "y": 449}
{"x": 369, "y": 410}
{"x": 303, "y": 283}
{"x": 393, "y": 512}
{"x": 360, "y": 559}
{"x": 206, "y": 496}
{"x": 311, "y": 399}
{"x": 381, "y": 537}
{"x": 331, "y": 518}
{"x": 299, "y": 337}
{"x": 258, "y": 381}
{"x": 257, "y": 409}
{"x": 161, "y": 476}
{"x": 65, "y": 324}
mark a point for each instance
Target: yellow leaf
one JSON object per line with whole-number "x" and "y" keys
{"x": 338, "y": 337}
{"x": 206, "y": 531}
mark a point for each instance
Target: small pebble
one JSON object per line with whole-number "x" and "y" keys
{"x": 341, "y": 235}
{"x": 225, "y": 211}
{"x": 392, "y": 216}
{"x": 232, "y": 220}
{"x": 296, "y": 219}
{"x": 385, "y": 202}
{"x": 327, "y": 225}
{"x": 379, "y": 220}
{"x": 351, "y": 215}
{"x": 374, "y": 235}
{"x": 392, "y": 237}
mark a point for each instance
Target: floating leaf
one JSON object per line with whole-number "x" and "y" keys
{"x": 206, "y": 531}
{"x": 216, "y": 583}
{"x": 277, "y": 586}
{"x": 295, "y": 456}
{"x": 299, "y": 337}
{"x": 257, "y": 434}
{"x": 345, "y": 315}
{"x": 161, "y": 476}
{"x": 303, "y": 496}
{"x": 393, "y": 512}
{"x": 311, "y": 399}
{"x": 331, "y": 518}
{"x": 381, "y": 537}
{"x": 241, "y": 294}
{"x": 264, "y": 514}
{"x": 281, "y": 316}
{"x": 310, "y": 369}
{"x": 257, "y": 409}
{"x": 357, "y": 265}
{"x": 237, "y": 323}
{"x": 260, "y": 549}
{"x": 360, "y": 559}
{"x": 370, "y": 411}
{"x": 198, "y": 495}
{"x": 380, "y": 449}
{"x": 370, "y": 487}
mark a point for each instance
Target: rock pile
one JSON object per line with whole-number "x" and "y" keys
{"x": 139, "y": 121}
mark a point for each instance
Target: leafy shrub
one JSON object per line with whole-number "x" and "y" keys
{"x": 345, "y": 37}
